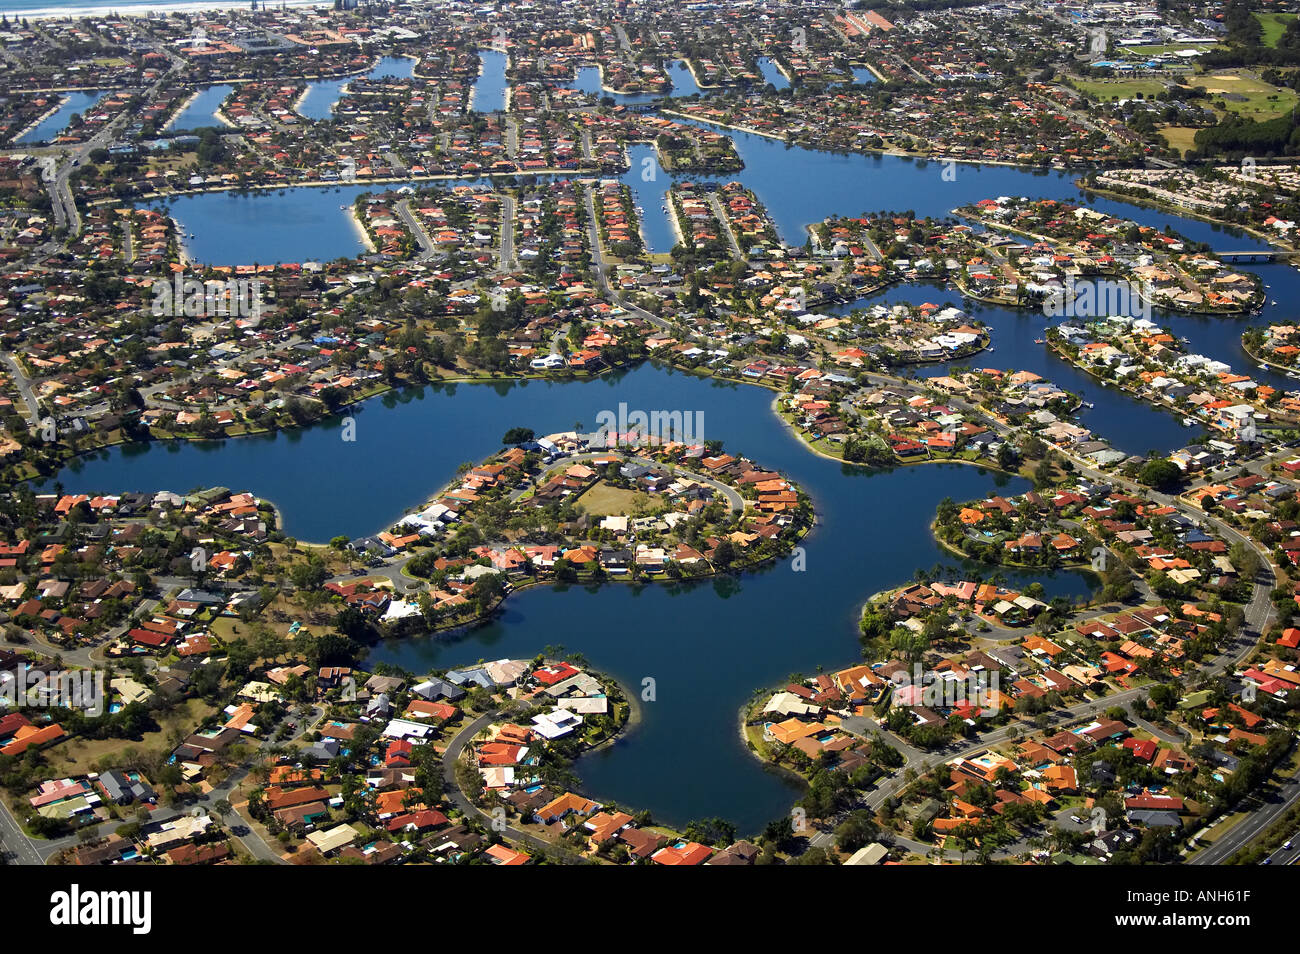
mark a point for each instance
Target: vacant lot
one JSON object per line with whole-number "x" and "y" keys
{"x": 602, "y": 500}
{"x": 1179, "y": 137}
{"x": 77, "y": 755}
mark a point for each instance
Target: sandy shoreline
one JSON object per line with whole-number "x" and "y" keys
{"x": 673, "y": 220}
{"x": 360, "y": 227}
{"x": 144, "y": 9}
{"x": 180, "y": 110}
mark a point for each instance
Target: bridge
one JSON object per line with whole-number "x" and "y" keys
{"x": 1255, "y": 255}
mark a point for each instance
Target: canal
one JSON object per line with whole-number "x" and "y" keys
{"x": 707, "y": 647}
{"x": 319, "y": 99}
{"x": 75, "y": 103}
{"x": 201, "y": 110}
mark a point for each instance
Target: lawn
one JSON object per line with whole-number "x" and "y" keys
{"x": 1156, "y": 49}
{"x": 228, "y": 628}
{"x": 603, "y": 500}
{"x": 1120, "y": 88}
{"x": 75, "y": 756}
{"x": 1260, "y": 101}
{"x": 1181, "y": 138}
{"x": 1274, "y": 25}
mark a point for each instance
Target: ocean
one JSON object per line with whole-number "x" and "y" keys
{"x": 81, "y": 8}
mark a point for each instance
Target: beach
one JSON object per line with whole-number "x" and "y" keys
{"x": 137, "y": 9}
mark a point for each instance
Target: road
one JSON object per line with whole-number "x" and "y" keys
{"x": 24, "y": 386}
{"x": 1276, "y": 803}
{"x": 17, "y": 846}
{"x": 506, "y": 261}
{"x": 1283, "y": 855}
{"x": 64, "y": 204}
{"x": 417, "y": 229}
{"x": 38, "y": 851}
{"x": 598, "y": 263}
{"x": 452, "y": 789}
{"x": 715, "y": 204}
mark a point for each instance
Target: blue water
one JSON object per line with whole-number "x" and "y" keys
{"x": 587, "y": 79}
{"x": 320, "y": 98}
{"x": 201, "y": 112}
{"x": 1130, "y": 425}
{"x": 649, "y": 184}
{"x": 706, "y": 658}
{"x": 490, "y": 88}
{"x": 57, "y": 121}
{"x": 683, "y": 80}
{"x": 772, "y": 73}
{"x": 297, "y": 224}
{"x": 799, "y": 187}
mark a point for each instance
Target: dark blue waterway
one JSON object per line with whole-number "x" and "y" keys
{"x": 587, "y": 79}
{"x": 799, "y": 187}
{"x": 705, "y": 655}
{"x": 490, "y": 88}
{"x": 649, "y": 184}
{"x": 319, "y": 99}
{"x": 772, "y": 73}
{"x": 1130, "y": 425}
{"x": 201, "y": 111}
{"x": 707, "y": 647}
{"x": 57, "y": 121}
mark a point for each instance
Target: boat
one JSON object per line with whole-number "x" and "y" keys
{"x": 1087, "y": 404}
{"x": 1040, "y": 341}
{"x": 1188, "y": 422}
